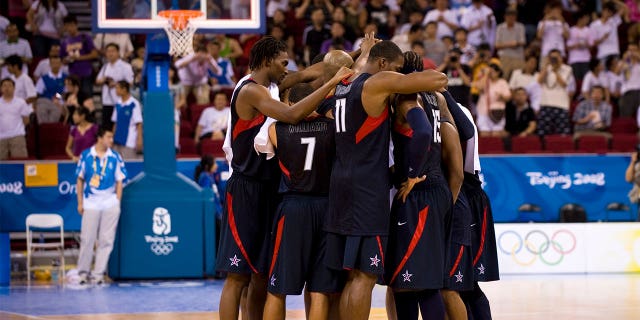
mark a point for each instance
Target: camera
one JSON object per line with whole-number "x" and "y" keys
{"x": 481, "y": 55}
{"x": 554, "y": 60}
{"x": 453, "y": 59}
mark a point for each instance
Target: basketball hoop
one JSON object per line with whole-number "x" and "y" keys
{"x": 180, "y": 30}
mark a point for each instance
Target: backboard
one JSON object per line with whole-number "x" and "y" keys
{"x": 141, "y": 16}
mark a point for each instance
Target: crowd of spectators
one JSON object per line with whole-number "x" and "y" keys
{"x": 524, "y": 68}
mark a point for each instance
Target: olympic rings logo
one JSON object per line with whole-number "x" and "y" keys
{"x": 161, "y": 248}
{"x": 537, "y": 244}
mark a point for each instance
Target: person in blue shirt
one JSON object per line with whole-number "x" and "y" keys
{"x": 206, "y": 176}
{"x": 100, "y": 175}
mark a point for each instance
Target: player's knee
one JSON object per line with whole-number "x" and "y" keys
{"x": 276, "y": 297}
{"x": 363, "y": 279}
{"x": 237, "y": 280}
{"x": 449, "y": 294}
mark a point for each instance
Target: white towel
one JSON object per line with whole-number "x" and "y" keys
{"x": 262, "y": 143}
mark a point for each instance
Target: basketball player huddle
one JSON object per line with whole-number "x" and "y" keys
{"x": 307, "y": 206}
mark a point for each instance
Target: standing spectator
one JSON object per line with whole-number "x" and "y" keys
{"x": 459, "y": 76}
{"x": 123, "y": 40}
{"x": 179, "y": 101}
{"x": 275, "y": 5}
{"x": 478, "y": 64}
{"x": 414, "y": 17}
{"x": 595, "y": 77}
{"x": 4, "y": 22}
{"x": 579, "y": 46}
{"x": 605, "y": 29}
{"x": 14, "y": 45}
{"x": 230, "y": 47}
{"x": 83, "y": 134}
{"x": 339, "y": 15}
{"x": 17, "y": 14}
{"x": 593, "y": 115}
{"x": 74, "y": 98}
{"x": 44, "y": 66}
{"x": 404, "y": 41}
{"x": 614, "y": 77}
{"x": 478, "y": 19}
{"x": 50, "y": 87}
{"x": 100, "y": 173}
{"x": 447, "y": 19}
{"x": 213, "y": 120}
{"x": 226, "y": 78}
{"x": 554, "y": 80}
{"x": 113, "y": 71}
{"x": 314, "y": 35}
{"x": 553, "y": 30}
{"x": 379, "y": 13}
{"x": 14, "y": 116}
{"x": 530, "y": 13}
{"x": 468, "y": 50}
{"x": 44, "y": 19}
{"x": 337, "y": 40}
{"x": 78, "y": 53}
{"x": 630, "y": 70}
{"x": 24, "y": 87}
{"x": 306, "y": 8}
{"x": 193, "y": 70}
{"x": 527, "y": 78}
{"x": 632, "y": 175}
{"x": 418, "y": 47}
{"x": 437, "y": 49}
{"x": 494, "y": 93}
{"x": 127, "y": 122}
{"x": 520, "y": 117}
{"x": 510, "y": 41}
{"x": 355, "y": 16}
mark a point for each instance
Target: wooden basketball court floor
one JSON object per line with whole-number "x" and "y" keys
{"x": 602, "y": 296}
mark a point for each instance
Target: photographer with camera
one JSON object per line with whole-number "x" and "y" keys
{"x": 630, "y": 90}
{"x": 556, "y": 80}
{"x": 459, "y": 76}
{"x": 632, "y": 175}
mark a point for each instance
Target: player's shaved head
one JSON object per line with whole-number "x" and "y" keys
{"x": 334, "y": 60}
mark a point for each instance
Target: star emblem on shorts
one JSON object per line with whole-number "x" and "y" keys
{"x": 459, "y": 276}
{"x": 481, "y": 269}
{"x": 406, "y": 276}
{"x": 374, "y": 261}
{"x": 235, "y": 260}
{"x": 273, "y": 280}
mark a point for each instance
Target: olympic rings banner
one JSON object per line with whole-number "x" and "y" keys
{"x": 568, "y": 247}
{"x": 18, "y": 198}
{"x": 549, "y": 182}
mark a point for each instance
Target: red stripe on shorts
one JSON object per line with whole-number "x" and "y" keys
{"x": 276, "y": 248}
{"x": 234, "y": 232}
{"x": 422, "y": 220}
{"x": 482, "y": 236}
{"x": 455, "y": 265}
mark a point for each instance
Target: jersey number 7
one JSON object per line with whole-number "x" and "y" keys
{"x": 311, "y": 146}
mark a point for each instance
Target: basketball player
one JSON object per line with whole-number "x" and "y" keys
{"x": 245, "y": 224}
{"x": 358, "y": 220}
{"x": 424, "y": 139}
{"x": 305, "y": 152}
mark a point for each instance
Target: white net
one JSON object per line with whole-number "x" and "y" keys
{"x": 180, "y": 41}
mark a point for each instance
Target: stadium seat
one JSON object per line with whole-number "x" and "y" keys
{"x": 188, "y": 147}
{"x": 491, "y": 145}
{"x": 559, "y": 144}
{"x": 52, "y": 140}
{"x": 528, "y": 144}
{"x": 195, "y": 110}
{"x": 212, "y": 147}
{"x": 623, "y": 125}
{"x": 593, "y": 144}
{"x": 624, "y": 142}
{"x": 186, "y": 129}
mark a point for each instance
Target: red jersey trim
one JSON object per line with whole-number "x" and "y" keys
{"x": 284, "y": 170}
{"x": 371, "y": 124}
{"x": 407, "y": 132}
{"x": 244, "y": 125}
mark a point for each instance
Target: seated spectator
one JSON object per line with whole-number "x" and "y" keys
{"x": 337, "y": 40}
{"x": 614, "y": 77}
{"x": 193, "y": 70}
{"x": 213, "y": 120}
{"x": 630, "y": 71}
{"x": 579, "y": 46}
{"x": 468, "y": 50}
{"x": 446, "y": 19}
{"x": 127, "y": 123}
{"x": 520, "y": 117}
{"x": 24, "y": 87}
{"x": 494, "y": 93}
{"x": 113, "y": 71}
{"x": 4, "y": 22}
{"x": 555, "y": 81}
{"x": 78, "y": 52}
{"x": 226, "y": 77}
{"x": 14, "y": 45}
{"x": 44, "y": 65}
{"x": 73, "y": 99}
{"x": 50, "y": 87}
{"x": 595, "y": 77}
{"x": 14, "y": 116}
{"x": 45, "y": 19}
{"x": 123, "y": 40}
{"x": 459, "y": 76}
{"x": 479, "y": 21}
{"x": 437, "y": 50}
{"x": 83, "y": 134}
{"x": 510, "y": 41}
{"x": 593, "y": 115}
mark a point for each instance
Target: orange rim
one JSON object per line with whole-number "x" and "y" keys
{"x": 180, "y": 18}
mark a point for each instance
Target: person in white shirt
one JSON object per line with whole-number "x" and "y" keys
{"x": 14, "y": 45}
{"x": 614, "y": 77}
{"x": 404, "y": 41}
{"x": 605, "y": 29}
{"x": 468, "y": 50}
{"x": 44, "y": 66}
{"x": 24, "y": 87}
{"x": 447, "y": 19}
{"x": 4, "y": 22}
{"x": 555, "y": 79}
{"x": 414, "y": 17}
{"x": 595, "y": 77}
{"x": 50, "y": 87}
{"x": 14, "y": 116}
{"x": 44, "y": 20}
{"x": 123, "y": 40}
{"x": 193, "y": 70}
{"x": 630, "y": 90}
{"x": 527, "y": 78}
{"x": 510, "y": 41}
{"x": 579, "y": 46}
{"x": 127, "y": 122}
{"x": 113, "y": 71}
{"x": 213, "y": 120}
{"x": 478, "y": 19}
{"x": 553, "y": 31}
{"x": 274, "y": 5}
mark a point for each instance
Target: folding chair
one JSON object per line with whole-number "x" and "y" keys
{"x": 45, "y": 221}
